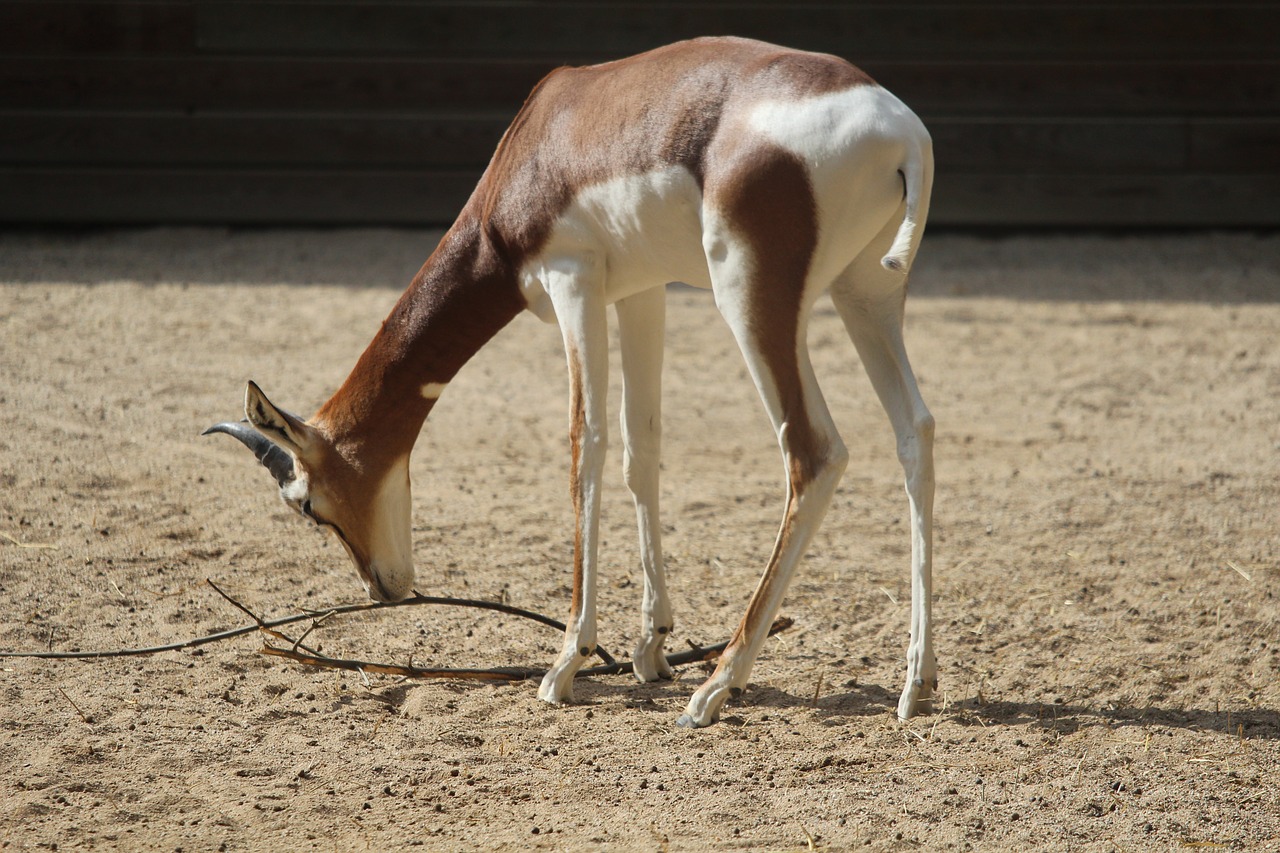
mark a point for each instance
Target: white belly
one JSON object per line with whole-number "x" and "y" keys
{"x": 629, "y": 234}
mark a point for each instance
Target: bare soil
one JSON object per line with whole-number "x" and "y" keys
{"x": 1107, "y": 580}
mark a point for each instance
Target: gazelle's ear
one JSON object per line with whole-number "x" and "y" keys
{"x": 285, "y": 429}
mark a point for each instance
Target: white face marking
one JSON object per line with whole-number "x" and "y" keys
{"x": 391, "y": 545}
{"x": 298, "y": 489}
{"x": 433, "y": 390}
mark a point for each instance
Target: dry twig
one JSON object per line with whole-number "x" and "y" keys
{"x": 88, "y": 719}
{"x": 299, "y": 617}
{"x": 302, "y": 654}
{"x": 696, "y": 654}
{"x": 31, "y": 545}
{"x": 1241, "y": 572}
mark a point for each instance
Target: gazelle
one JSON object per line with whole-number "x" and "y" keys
{"x": 766, "y": 174}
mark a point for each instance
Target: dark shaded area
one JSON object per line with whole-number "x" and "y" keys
{"x": 1061, "y": 114}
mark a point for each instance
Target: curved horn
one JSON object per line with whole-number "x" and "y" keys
{"x": 276, "y": 460}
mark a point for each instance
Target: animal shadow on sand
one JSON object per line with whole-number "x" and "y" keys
{"x": 873, "y": 700}
{"x": 1061, "y": 717}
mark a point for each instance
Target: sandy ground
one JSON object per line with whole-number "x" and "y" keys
{"x": 1107, "y": 581}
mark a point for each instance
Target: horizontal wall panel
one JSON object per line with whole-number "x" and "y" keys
{"x": 71, "y": 196}
{"x": 429, "y": 141}
{"x": 1106, "y": 201}
{"x": 869, "y": 31}
{"x": 1122, "y": 146}
{"x": 1061, "y": 112}
{"x": 1235, "y": 146}
{"x": 1103, "y": 88}
{"x": 151, "y": 196}
{"x": 370, "y": 85}
{"x": 48, "y": 27}
{"x": 268, "y": 84}
{"x": 1058, "y": 145}
{"x": 214, "y": 140}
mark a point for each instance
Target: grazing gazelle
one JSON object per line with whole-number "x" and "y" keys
{"x": 766, "y": 174}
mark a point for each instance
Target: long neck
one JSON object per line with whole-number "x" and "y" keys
{"x": 463, "y": 295}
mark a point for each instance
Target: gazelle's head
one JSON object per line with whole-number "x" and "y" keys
{"x": 355, "y": 491}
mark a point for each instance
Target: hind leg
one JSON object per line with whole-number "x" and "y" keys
{"x": 815, "y": 458}
{"x": 763, "y": 299}
{"x": 870, "y": 301}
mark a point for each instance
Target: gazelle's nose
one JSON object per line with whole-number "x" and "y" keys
{"x": 382, "y": 586}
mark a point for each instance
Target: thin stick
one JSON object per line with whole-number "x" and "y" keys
{"x": 151, "y": 650}
{"x": 697, "y": 654}
{"x": 307, "y": 633}
{"x": 73, "y": 704}
{"x": 311, "y": 657}
{"x": 300, "y": 617}
{"x": 237, "y": 605}
{"x": 941, "y": 713}
{"x": 307, "y": 656}
{"x": 27, "y": 544}
{"x": 1241, "y": 572}
{"x": 262, "y": 626}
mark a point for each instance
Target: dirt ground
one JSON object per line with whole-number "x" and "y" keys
{"x": 1107, "y": 580}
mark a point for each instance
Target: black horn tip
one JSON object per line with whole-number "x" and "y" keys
{"x": 226, "y": 427}
{"x": 273, "y": 458}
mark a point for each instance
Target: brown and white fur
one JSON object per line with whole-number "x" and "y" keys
{"x": 767, "y": 175}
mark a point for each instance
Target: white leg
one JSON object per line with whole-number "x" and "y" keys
{"x": 870, "y": 301}
{"x": 577, "y": 293}
{"x": 815, "y": 457}
{"x": 641, "y": 320}
{"x": 812, "y": 452}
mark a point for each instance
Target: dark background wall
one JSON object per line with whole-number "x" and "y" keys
{"x": 1043, "y": 114}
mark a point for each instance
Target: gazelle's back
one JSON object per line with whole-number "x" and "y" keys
{"x": 631, "y": 159}
{"x": 675, "y": 106}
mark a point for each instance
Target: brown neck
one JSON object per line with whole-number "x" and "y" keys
{"x": 463, "y": 295}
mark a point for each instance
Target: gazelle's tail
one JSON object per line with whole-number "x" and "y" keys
{"x": 913, "y": 180}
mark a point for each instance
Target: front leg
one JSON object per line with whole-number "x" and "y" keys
{"x": 641, "y": 321}
{"x": 576, "y": 291}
